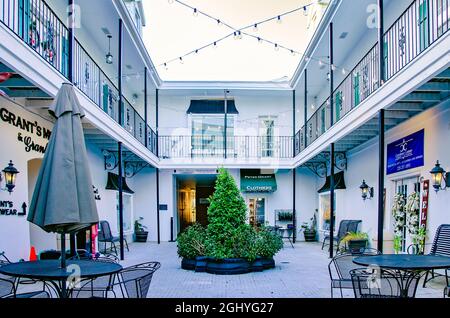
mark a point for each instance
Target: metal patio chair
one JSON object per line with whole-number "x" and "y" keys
{"x": 345, "y": 226}
{"x": 441, "y": 247}
{"x": 382, "y": 284}
{"x": 134, "y": 281}
{"x": 105, "y": 236}
{"x": 100, "y": 287}
{"x": 340, "y": 266}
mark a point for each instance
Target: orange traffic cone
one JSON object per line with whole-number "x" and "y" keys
{"x": 33, "y": 256}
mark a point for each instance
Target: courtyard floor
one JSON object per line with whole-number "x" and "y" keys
{"x": 300, "y": 272}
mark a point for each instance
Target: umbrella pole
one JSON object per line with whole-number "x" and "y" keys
{"x": 63, "y": 263}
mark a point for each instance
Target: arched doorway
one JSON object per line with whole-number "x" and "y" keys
{"x": 40, "y": 239}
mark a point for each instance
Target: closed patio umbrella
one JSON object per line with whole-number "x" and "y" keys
{"x": 63, "y": 200}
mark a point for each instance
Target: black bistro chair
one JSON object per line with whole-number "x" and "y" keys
{"x": 380, "y": 283}
{"x": 134, "y": 281}
{"x": 340, "y": 266}
{"x": 440, "y": 246}
{"x": 100, "y": 287}
{"x": 345, "y": 227}
{"x": 105, "y": 236}
{"x": 9, "y": 285}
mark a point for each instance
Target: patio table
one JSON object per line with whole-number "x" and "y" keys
{"x": 407, "y": 267}
{"x": 50, "y": 271}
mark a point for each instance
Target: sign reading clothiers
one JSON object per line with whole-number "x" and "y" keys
{"x": 406, "y": 153}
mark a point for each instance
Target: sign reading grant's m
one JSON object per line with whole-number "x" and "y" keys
{"x": 406, "y": 153}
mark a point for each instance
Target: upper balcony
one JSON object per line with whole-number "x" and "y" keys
{"x": 44, "y": 27}
{"x": 420, "y": 25}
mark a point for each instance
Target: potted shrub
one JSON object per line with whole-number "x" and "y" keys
{"x": 355, "y": 241}
{"x": 191, "y": 246}
{"x": 140, "y": 233}
{"x": 309, "y": 230}
{"x": 268, "y": 243}
{"x": 228, "y": 245}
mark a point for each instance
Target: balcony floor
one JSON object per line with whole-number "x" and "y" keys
{"x": 301, "y": 272}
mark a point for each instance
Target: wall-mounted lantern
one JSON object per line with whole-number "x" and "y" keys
{"x": 9, "y": 174}
{"x": 438, "y": 176}
{"x": 366, "y": 191}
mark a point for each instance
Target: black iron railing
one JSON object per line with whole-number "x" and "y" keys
{"x": 240, "y": 147}
{"x": 420, "y": 25}
{"x": 37, "y": 25}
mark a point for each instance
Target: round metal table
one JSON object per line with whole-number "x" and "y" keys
{"x": 50, "y": 271}
{"x": 407, "y": 267}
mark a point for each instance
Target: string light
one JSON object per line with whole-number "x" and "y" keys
{"x": 195, "y": 12}
{"x": 238, "y": 33}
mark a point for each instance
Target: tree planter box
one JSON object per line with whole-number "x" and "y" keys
{"x": 140, "y": 237}
{"x": 230, "y": 266}
{"x": 188, "y": 264}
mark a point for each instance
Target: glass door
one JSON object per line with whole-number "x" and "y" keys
{"x": 267, "y": 131}
{"x": 257, "y": 211}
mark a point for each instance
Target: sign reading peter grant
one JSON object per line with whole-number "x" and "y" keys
{"x": 406, "y": 153}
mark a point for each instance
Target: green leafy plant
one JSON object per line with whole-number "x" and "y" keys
{"x": 355, "y": 236}
{"x": 285, "y": 216}
{"x": 397, "y": 244}
{"x": 226, "y": 215}
{"x": 191, "y": 243}
{"x": 227, "y": 234}
{"x": 268, "y": 243}
{"x": 138, "y": 226}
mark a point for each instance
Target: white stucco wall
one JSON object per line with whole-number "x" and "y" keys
{"x": 15, "y": 230}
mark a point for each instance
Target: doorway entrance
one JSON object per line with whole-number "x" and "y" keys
{"x": 193, "y": 192}
{"x": 406, "y": 187}
{"x": 257, "y": 211}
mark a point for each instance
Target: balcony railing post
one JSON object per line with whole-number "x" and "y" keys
{"x": 305, "y": 115}
{"x": 293, "y": 122}
{"x": 71, "y": 40}
{"x": 145, "y": 109}
{"x": 157, "y": 121}
{"x": 381, "y": 42}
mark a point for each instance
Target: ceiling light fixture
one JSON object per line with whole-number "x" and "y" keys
{"x": 109, "y": 56}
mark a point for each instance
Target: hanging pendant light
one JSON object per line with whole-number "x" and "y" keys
{"x": 109, "y": 56}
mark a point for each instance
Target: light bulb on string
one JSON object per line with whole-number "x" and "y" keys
{"x": 195, "y": 13}
{"x": 293, "y": 53}
{"x": 255, "y": 28}
{"x": 181, "y": 60}
{"x": 259, "y": 40}
{"x": 320, "y": 63}
{"x": 239, "y": 35}
{"x": 305, "y": 11}
{"x": 279, "y": 19}
{"x": 333, "y": 67}
{"x": 166, "y": 67}
{"x": 219, "y": 23}
{"x": 196, "y": 51}
{"x": 344, "y": 72}
{"x": 277, "y": 48}
{"x": 215, "y": 45}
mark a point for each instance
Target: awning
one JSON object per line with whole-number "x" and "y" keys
{"x": 254, "y": 181}
{"x": 339, "y": 182}
{"x": 113, "y": 183}
{"x": 214, "y": 106}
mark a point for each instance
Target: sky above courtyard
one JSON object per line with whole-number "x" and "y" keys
{"x": 173, "y": 30}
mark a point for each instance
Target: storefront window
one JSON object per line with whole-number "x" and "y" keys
{"x": 208, "y": 135}
{"x": 127, "y": 212}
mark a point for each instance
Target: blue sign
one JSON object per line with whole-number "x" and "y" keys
{"x": 406, "y": 153}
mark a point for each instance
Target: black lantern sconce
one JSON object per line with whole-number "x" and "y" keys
{"x": 439, "y": 176}
{"x": 366, "y": 191}
{"x": 9, "y": 174}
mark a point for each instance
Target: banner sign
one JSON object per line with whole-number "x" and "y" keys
{"x": 406, "y": 153}
{"x": 425, "y": 196}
